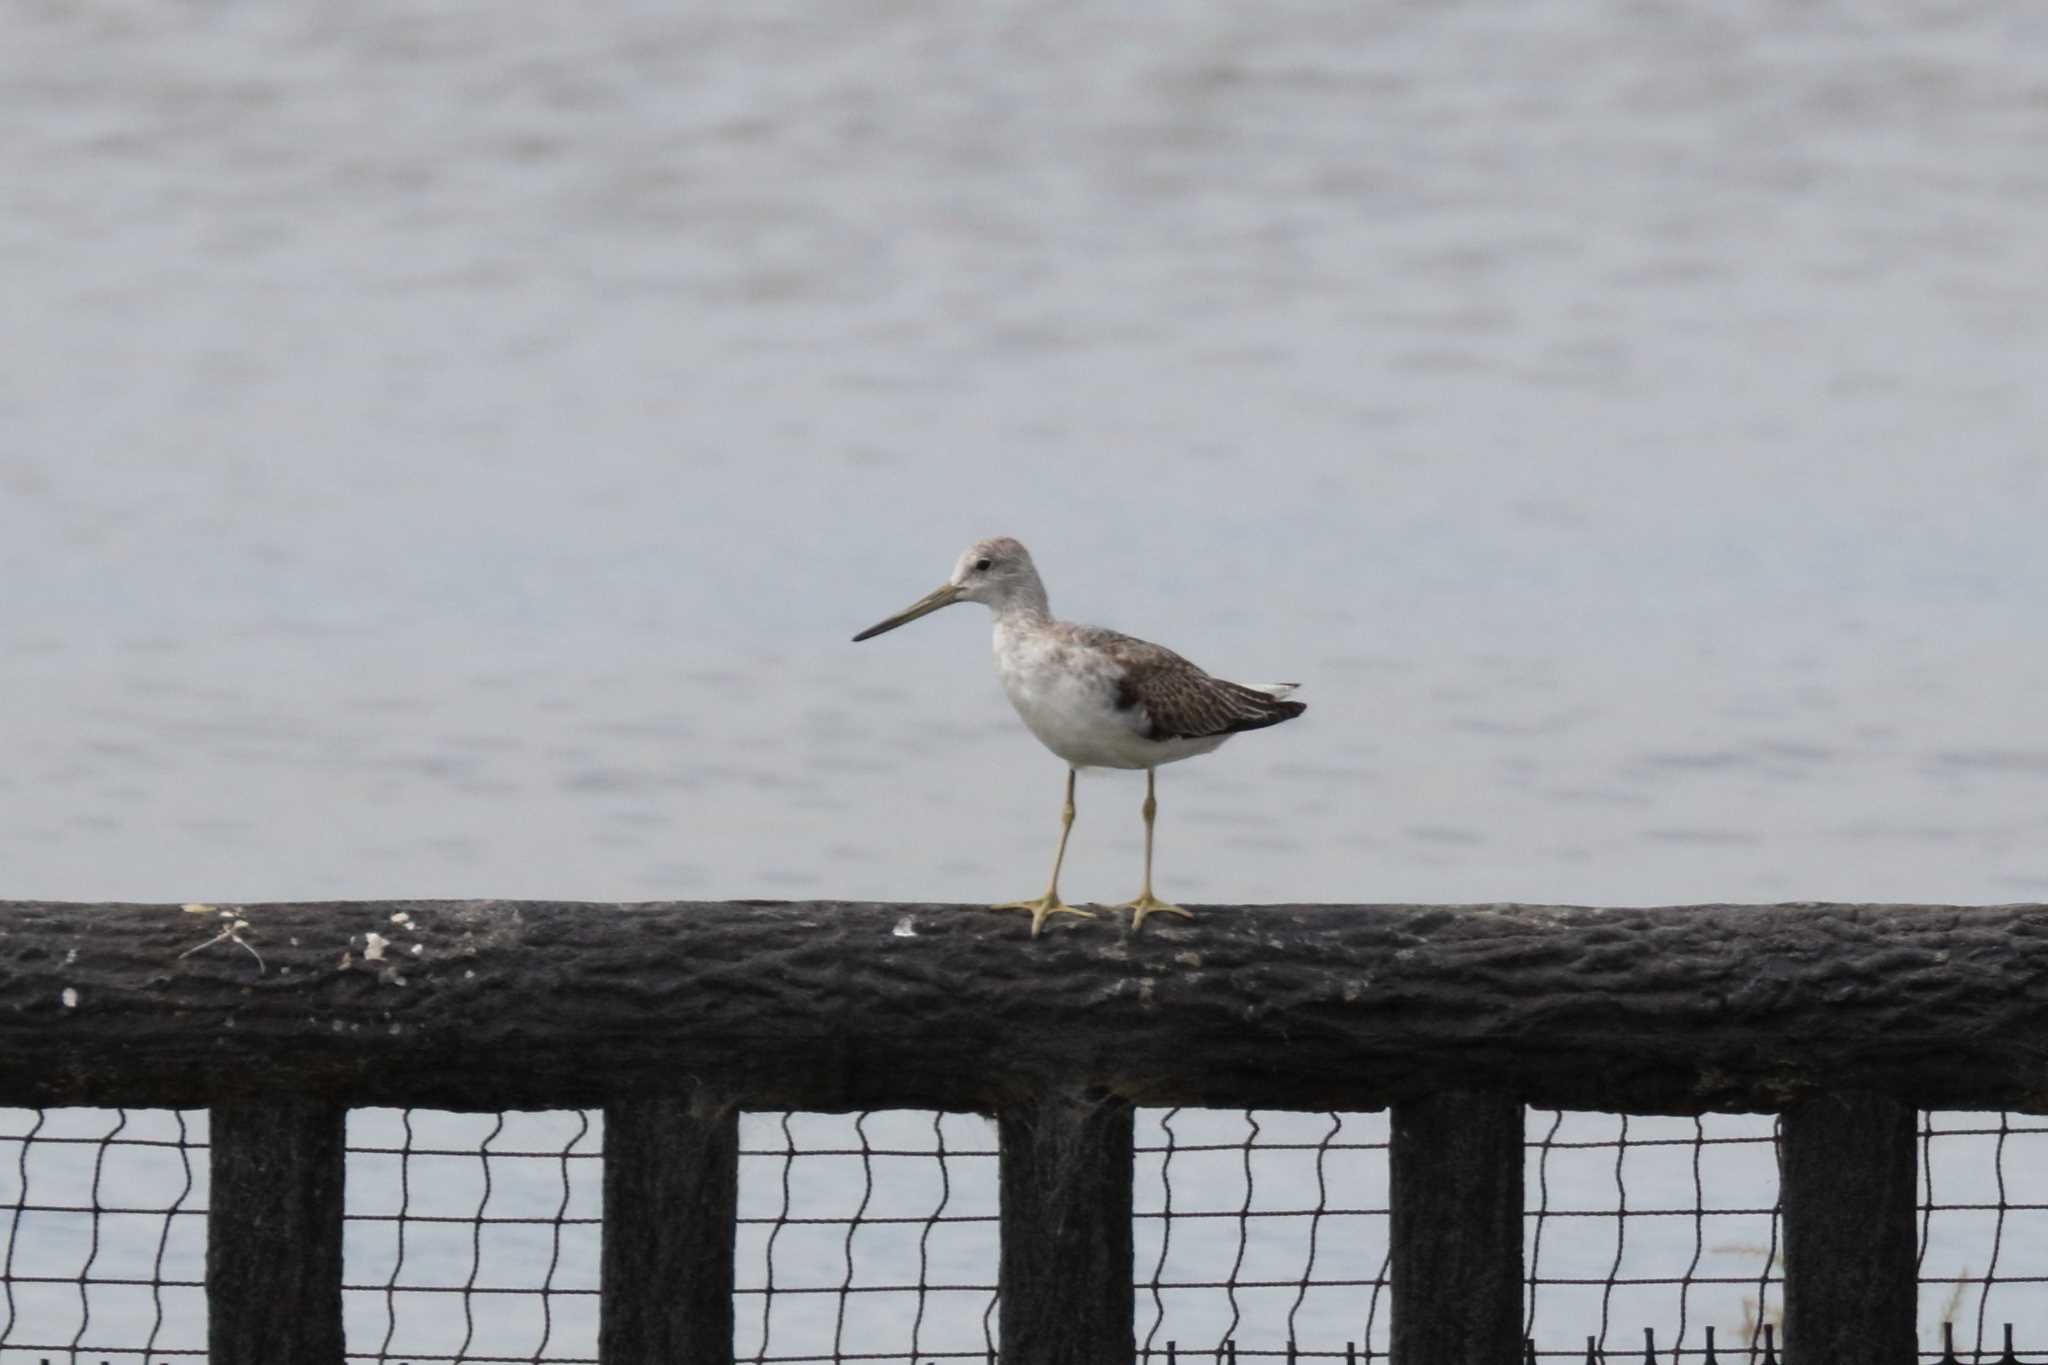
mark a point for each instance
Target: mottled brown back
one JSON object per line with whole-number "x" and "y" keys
{"x": 1179, "y": 699}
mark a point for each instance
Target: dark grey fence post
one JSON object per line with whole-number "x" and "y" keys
{"x": 1456, "y": 1228}
{"x": 273, "y": 1233}
{"x": 1847, "y": 1170}
{"x": 1066, "y": 1286}
{"x": 671, "y": 1195}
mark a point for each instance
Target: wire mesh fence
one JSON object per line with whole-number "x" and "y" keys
{"x": 105, "y": 1235}
{"x": 472, "y": 1237}
{"x": 873, "y": 1237}
{"x": 866, "y": 1237}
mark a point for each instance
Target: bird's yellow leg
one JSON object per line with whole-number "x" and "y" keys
{"x": 1050, "y": 903}
{"x": 1147, "y": 903}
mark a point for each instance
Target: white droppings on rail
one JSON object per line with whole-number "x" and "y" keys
{"x": 71, "y": 957}
{"x": 905, "y": 928}
{"x": 373, "y": 946}
{"x": 70, "y": 997}
{"x": 401, "y": 917}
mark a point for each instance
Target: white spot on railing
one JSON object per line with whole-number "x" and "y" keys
{"x": 70, "y": 997}
{"x": 400, "y": 917}
{"x": 71, "y": 957}
{"x": 196, "y": 908}
{"x": 373, "y": 947}
{"x": 905, "y": 928}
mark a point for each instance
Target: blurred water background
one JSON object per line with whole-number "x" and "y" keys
{"x": 444, "y": 449}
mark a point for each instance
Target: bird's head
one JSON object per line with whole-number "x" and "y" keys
{"x": 993, "y": 571}
{"x": 997, "y": 572}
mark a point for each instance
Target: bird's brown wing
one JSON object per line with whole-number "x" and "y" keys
{"x": 1179, "y": 700}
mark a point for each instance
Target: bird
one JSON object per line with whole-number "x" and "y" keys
{"x": 1097, "y": 698}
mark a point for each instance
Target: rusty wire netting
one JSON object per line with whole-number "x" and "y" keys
{"x": 873, "y": 1237}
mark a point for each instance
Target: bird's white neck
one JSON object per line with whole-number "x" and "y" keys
{"x": 1022, "y": 616}
{"x": 1023, "y": 604}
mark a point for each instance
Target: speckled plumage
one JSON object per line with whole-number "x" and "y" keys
{"x": 1102, "y": 699}
{"x": 1179, "y": 700}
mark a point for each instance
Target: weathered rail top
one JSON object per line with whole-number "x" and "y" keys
{"x": 828, "y": 1005}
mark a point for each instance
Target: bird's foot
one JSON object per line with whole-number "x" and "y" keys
{"x": 1147, "y": 904}
{"x": 1048, "y": 904}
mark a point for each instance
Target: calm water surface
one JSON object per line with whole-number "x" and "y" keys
{"x": 444, "y": 452}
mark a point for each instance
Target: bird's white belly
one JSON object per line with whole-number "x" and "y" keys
{"x": 1067, "y": 698}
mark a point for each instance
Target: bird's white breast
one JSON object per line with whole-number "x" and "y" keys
{"x": 1066, "y": 694}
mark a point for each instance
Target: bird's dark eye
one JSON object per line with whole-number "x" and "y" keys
{"x": 982, "y": 565}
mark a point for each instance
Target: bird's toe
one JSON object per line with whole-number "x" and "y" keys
{"x": 1042, "y": 908}
{"x": 1151, "y": 905}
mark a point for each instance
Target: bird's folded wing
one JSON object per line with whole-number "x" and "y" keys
{"x": 1174, "y": 699}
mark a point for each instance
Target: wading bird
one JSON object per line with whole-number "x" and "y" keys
{"x": 1096, "y": 698}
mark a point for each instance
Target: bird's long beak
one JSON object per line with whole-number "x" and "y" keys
{"x": 944, "y": 595}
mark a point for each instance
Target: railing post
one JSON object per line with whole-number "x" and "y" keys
{"x": 671, "y": 1198}
{"x": 1067, "y": 1296}
{"x": 1456, "y": 1229}
{"x": 273, "y": 1233}
{"x": 1846, "y": 1180}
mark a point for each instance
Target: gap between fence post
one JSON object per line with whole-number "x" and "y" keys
{"x": 273, "y": 1232}
{"x": 1066, "y": 1287}
{"x": 1846, "y": 1172}
{"x": 671, "y": 1201}
{"x": 1455, "y": 1163}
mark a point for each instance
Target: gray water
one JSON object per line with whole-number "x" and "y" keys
{"x": 444, "y": 450}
